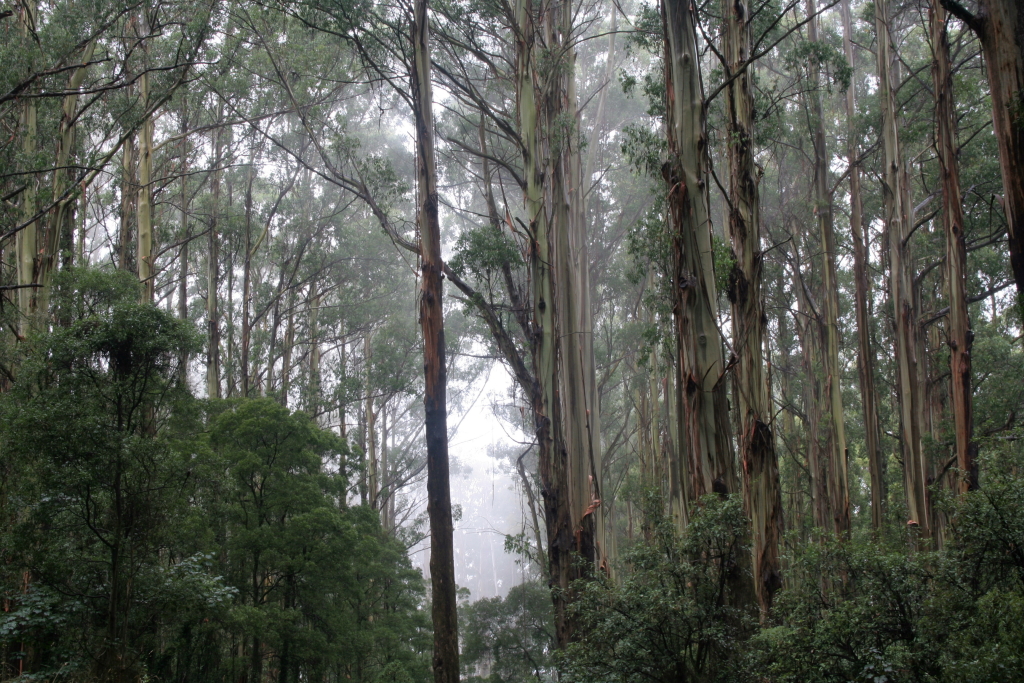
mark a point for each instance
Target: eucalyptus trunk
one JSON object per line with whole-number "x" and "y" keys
{"x": 62, "y": 215}
{"x": 145, "y": 254}
{"x": 961, "y": 336}
{"x": 213, "y": 270}
{"x": 702, "y": 411}
{"x": 835, "y": 464}
{"x": 313, "y": 384}
{"x": 762, "y": 493}
{"x": 129, "y": 196}
{"x": 862, "y": 294}
{"x": 999, "y": 24}
{"x": 563, "y": 397}
{"x": 439, "y": 503}
{"x": 26, "y": 238}
{"x": 899, "y": 220}
{"x": 247, "y": 280}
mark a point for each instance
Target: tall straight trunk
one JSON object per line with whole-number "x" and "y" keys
{"x": 553, "y": 474}
{"x": 577, "y": 378}
{"x": 230, "y": 364}
{"x": 129, "y": 196}
{"x": 544, "y": 104}
{"x": 999, "y": 25}
{"x": 701, "y": 390}
{"x": 899, "y": 219}
{"x": 960, "y": 335}
{"x": 145, "y": 253}
{"x": 836, "y": 453}
{"x": 275, "y": 325}
{"x": 186, "y": 234}
{"x": 370, "y": 436}
{"x": 62, "y": 215}
{"x": 287, "y": 348}
{"x": 439, "y": 503}
{"x": 26, "y": 238}
{"x": 213, "y": 271}
{"x": 343, "y": 383}
{"x": 247, "y": 279}
{"x": 762, "y": 492}
{"x": 313, "y": 385}
{"x": 862, "y": 289}
{"x": 808, "y": 326}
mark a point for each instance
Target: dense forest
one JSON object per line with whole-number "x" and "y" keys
{"x": 742, "y": 281}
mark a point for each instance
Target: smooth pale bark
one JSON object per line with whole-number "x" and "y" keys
{"x": 144, "y": 212}
{"x": 899, "y": 219}
{"x": 370, "y": 421}
{"x": 961, "y": 336}
{"x": 566, "y": 432}
{"x": 439, "y": 505}
{"x": 762, "y": 492}
{"x": 835, "y": 464}
{"x": 62, "y": 215}
{"x": 553, "y": 475}
{"x": 701, "y": 390}
{"x": 247, "y": 279}
{"x": 26, "y": 238}
{"x": 213, "y": 271}
{"x": 862, "y": 294}
{"x": 999, "y": 25}
{"x": 808, "y": 327}
{"x": 577, "y": 380}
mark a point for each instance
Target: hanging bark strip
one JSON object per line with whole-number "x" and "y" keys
{"x": 439, "y": 504}
{"x": 762, "y": 493}
{"x": 960, "y": 334}
{"x": 702, "y": 409}
{"x": 865, "y": 354}
{"x": 899, "y": 218}
{"x": 566, "y": 430}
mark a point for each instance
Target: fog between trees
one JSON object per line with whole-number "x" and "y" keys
{"x": 708, "y": 315}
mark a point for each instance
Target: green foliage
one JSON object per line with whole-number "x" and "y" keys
{"x": 866, "y": 609}
{"x": 484, "y": 251}
{"x": 725, "y": 261}
{"x": 511, "y": 637}
{"x": 149, "y": 535}
{"x": 644, "y": 150}
{"x": 670, "y": 619}
{"x": 824, "y": 55}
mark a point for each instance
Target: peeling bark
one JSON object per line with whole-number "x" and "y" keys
{"x": 899, "y": 219}
{"x": 762, "y": 494}
{"x": 961, "y": 336}
{"x": 701, "y": 390}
